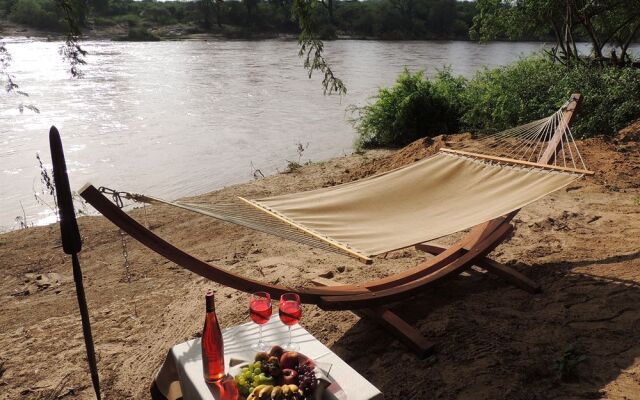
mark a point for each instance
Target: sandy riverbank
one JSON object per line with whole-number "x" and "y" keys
{"x": 493, "y": 341}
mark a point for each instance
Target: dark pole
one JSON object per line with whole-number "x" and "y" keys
{"x": 71, "y": 244}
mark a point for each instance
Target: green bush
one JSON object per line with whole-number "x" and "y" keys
{"x": 535, "y": 87}
{"x": 103, "y": 21}
{"x": 139, "y": 34}
{"x": 39, "y": 14}
{"x": 413, "y": 108}
{"x": 497, "y": 99}
{"x": 128, "y": 19}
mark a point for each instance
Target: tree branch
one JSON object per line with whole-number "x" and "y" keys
{"x": 625, "y": 47}
{"x": 312, "y": 48}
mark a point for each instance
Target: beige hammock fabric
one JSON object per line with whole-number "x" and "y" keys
{"x": 431, "y": 198}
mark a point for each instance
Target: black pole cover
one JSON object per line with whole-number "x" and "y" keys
{"x": 71, "y": 242}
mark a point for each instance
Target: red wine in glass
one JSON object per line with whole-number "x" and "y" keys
{"x": 260, "y": 312}
{"x": 290, "y": 314}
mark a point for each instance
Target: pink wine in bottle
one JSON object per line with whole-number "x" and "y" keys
{"x": 212, "y": 345}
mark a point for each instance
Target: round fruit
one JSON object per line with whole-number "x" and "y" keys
{"x": 276, "y": 351}
{"x": 289, "y": 376}
{"x": 289, "y": 360}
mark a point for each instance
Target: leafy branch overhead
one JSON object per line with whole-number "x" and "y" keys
{"x": 312, "y": 48}
{"x": 75, "y": 12}
{"x": 10, "y": 86}
{"x": 613, "y": 24}
{"x": 74, "y": 15}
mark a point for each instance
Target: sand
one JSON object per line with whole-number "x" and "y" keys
{"x": 493, "y": 340}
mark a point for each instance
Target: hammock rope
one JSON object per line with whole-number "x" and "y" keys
{"x": 528, "y": 142}
{"x": 240, "y": 213}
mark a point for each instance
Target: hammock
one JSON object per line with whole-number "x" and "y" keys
{"x": 448, "y": 192}
{"x": 452, "y": 190}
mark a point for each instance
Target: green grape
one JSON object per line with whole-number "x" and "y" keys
{"x": 257, "y": 365}
{"x": 244, "y": 389}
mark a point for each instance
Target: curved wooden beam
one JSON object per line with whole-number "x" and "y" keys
{"x": 440, "y": 260}
{"x": 309, "y": 295}
{"x": 401, "y": 292}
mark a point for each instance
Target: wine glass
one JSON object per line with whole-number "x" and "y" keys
{"x": 290, "y": 314}
{"x": 260, "y": 312}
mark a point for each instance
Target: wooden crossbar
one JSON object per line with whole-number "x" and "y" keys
{"x": 520, "y": 162}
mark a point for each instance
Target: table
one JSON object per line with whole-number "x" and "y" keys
{"x": 181, "y": 374}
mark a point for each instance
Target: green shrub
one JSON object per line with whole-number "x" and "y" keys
{"x": 39, "y": 14}
{"x": 139, "y": 34}
{"x": 497, "y": 99}
{"x": 103, "y": 21}
{"x": 413, "y": 108}
{"x": 128, "y": 19}
{"x": 534, "y": 87}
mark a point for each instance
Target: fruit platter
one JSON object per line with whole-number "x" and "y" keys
{"x": 277, "y": 375}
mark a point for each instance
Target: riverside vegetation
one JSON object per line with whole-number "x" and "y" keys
{"x": 382, "y": 19}
{"x": 496, "y": 99}
{"x": 527, "y": 90}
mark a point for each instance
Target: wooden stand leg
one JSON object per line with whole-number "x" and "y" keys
{"x": 510, "y": 275}
{"x": 507, "y": 273}
{"x": 404, "y": 332}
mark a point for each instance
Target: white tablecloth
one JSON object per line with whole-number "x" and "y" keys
{"x": 181, "y": 374}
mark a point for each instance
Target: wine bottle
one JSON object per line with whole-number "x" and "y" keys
{"x": 212, "y": 345}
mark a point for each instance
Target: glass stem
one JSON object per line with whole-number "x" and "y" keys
{"x": 260, "y": 334}
{"x": 290, "y": 341}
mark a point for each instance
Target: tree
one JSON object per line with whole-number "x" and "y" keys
{"x": 250, "y": 6}
{"x": 603, "y": 23}
{"x": 442, "y": 17}
{"x": 406, "y": 9}
{"x": 206, "y": 7}
{"x": 329, "y": 5}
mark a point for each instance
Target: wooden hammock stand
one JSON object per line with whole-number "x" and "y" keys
{"x": 373, "y": 297}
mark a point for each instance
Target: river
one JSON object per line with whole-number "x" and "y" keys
{"x": 179, "y": 118}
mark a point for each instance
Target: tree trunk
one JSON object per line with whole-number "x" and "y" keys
{"x": 626, "y": 44}
{"x": 585, "y": 20}
{"x": 219, "y": 13}
{"x": 559, "y": 42}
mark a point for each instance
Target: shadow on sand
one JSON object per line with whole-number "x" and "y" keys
{"x": 494, "y": 341}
